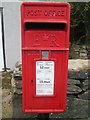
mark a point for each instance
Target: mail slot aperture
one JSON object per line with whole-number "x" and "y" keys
{"x": 45, "y": 26}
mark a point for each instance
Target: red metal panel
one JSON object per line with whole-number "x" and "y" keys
{"x": 45, "y": 27}
{"x": 38, "y": 38}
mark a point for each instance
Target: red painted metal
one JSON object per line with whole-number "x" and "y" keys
{"x": 45, "y": 27}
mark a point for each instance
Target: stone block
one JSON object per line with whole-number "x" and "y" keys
{"x": 86, "y": 85}
{"x": 73, "y": 82}
{"x": 83, "y": 51}
{"x": 73, "y": 89}
{"x": 83, "y": 74}
{"x": 83, "y": 47}
{"x": 85, "y": 95}
{"x": 83, "y": 54}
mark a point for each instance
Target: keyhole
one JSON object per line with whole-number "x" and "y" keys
{"x": 32, "y": 81}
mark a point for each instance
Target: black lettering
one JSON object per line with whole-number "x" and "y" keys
{"x": 46, "y": 67}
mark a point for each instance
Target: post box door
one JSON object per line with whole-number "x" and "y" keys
{"x": 37, "y": 97}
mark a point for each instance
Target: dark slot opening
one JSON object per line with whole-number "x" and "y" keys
{"x": 45, "y": 26}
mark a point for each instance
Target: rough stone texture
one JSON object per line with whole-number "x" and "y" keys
{"x": 6, "y": 79}
{"x": 79, "y": 52}
{"x": 83, "y": 52}
{"x": 73, "y": 82}
{"x": 5, "y": 93}
{"x": 78, "y": 69}
{"x": 76, "y": 108}
{"x": 19, "y": 84}
{"x": 77, "y": 83}
{"x": 88, "y": 54}
{"x": 86, "y": 85}
{"x": 78, "y": 64}
{"x": 73, "y": 89}
{"x": 74, "y": 51}
{"x": 81, "y": 75}
{"x": 16, "y": 80}
{"x": 89, "y": 70}
{"x": 85, "y": 95}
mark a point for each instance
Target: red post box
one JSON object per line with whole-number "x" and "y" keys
{"x": 45, "y": 47}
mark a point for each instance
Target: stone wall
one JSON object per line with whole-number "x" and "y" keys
{"x": 78, "y": 89}
{"x": 78, "y": 76}
{"x": 79, "y": 52}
